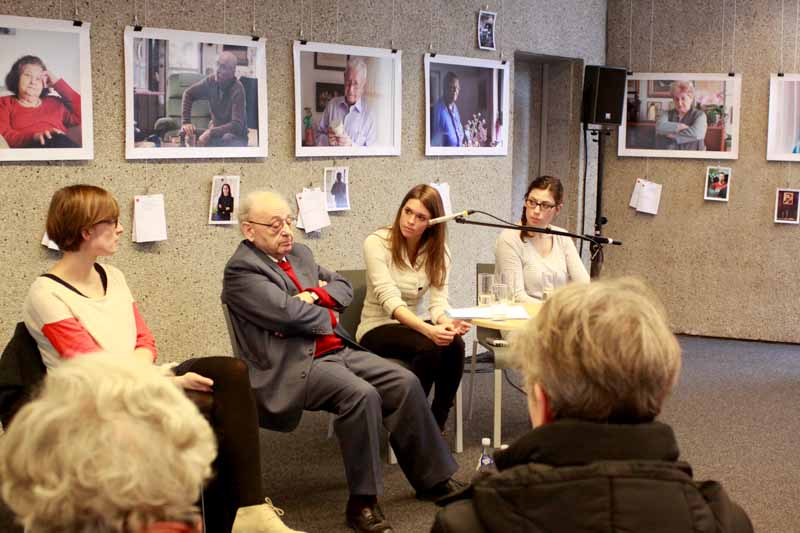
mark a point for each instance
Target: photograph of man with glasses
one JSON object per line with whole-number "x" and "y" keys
{"x": 538, "y": 263}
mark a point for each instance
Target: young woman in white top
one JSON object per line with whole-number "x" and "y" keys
{"x": 81, "y": 307}
{"x": 527, "y": 258}
{"x": 405, "y": 262}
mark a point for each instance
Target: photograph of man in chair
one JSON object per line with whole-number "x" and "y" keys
{"x": 191, "y": 93}
{"x": 282, "y": 307}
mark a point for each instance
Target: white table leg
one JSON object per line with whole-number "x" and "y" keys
{"x": 459, "y": 421}
{"x": 498, "y": 403}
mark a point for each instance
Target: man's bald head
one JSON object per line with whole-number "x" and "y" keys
{"x": 226, "y": 67}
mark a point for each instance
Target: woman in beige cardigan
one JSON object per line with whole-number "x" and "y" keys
{"x": 405, "y": 262}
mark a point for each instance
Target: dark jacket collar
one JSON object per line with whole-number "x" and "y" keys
{"x": 576, "y": 442}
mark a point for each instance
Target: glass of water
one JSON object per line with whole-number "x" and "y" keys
{"x": 485, "y": 289}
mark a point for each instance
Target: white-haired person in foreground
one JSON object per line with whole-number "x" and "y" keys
{"x": 108, "y": 445}
{"x": 598, "y": 360}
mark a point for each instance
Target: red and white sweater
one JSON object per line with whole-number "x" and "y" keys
{"x": 66, "y": 323}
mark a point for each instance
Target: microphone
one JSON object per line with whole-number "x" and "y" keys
{"x": 605, "y": 240}
{"x": 448, "y": 218}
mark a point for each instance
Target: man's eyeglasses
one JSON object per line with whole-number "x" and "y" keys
{"x": 277, "y": 225}
{"x": 533, "y": 204}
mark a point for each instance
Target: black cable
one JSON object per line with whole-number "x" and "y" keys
{"x": 508, "y": 379}
{"x": 585, "y": 172}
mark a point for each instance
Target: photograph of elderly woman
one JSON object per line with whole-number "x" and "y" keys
{"x": 347, "y": 100}
{"x": 783, "y": 132}
{"x": 467, "y": 100}
{"x": 681, "y": 115}
{"x": 41, "y": 104}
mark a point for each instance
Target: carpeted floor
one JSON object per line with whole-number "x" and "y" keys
{"x": 734, "y": 412}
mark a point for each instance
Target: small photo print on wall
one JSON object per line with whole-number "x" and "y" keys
{"x": 337, "y": 188}
{"x": 786, "y": 206}
{"x": 466, "y": 102}
{"x": 718, "y": 184}
{"x": 45, "y": 90}
{"x": 193, "y": 95}
{"x": 224, "y": 202}
{"x": 783, "y": 130}
{"x": 347, "y": 100}
{"x": 681, "y": 115}
{"x": 487, "y": 21}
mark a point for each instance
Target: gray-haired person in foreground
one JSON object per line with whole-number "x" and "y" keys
{"x": 598, "y": 361}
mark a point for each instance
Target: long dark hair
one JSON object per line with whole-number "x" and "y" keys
{"x": 544, "y": 183}
{"x": 433, "y": 238}
{"x": 13, "y": 76}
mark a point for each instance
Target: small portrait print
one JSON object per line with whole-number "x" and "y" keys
{"x": 786, "y": 206}
{"x": 683, "y": 115}
{"x": 718, "y": 184}
{"x": 45, "y": 90}
{"x": 486, "y": 29}
{"x": 224, "y": 203}
{"x": 337, "y": 188}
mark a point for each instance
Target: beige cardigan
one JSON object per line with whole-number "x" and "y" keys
{"x": 389, "y": 287}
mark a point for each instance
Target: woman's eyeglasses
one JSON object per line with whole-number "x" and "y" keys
{"x": 112, "y": 221}
{"x": 533, "y": 204}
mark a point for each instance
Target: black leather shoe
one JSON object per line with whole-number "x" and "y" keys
{"x": 440, "y": 490}
{"x": 369, "y": 519}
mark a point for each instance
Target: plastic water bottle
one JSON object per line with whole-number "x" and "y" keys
{"x": 486, "y": 463}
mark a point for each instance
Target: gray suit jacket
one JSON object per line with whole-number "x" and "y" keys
{"x": 276, "y": 332}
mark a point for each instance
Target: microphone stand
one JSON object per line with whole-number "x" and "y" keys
{"x": 593, "y": 240}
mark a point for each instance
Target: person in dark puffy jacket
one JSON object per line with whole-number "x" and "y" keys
{"x": 599, "y": 361}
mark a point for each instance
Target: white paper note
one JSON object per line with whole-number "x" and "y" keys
{"x": 149, "y": 218}
{"x": 311, "y": 205}
{"x": 444, "y": 192}
{"x": 649, "y": 198}
{"x": 646, "y": 196}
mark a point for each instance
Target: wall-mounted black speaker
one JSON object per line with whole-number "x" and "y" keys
{"x": 603, "y": 95}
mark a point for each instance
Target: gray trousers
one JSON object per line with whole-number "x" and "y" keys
{"x": 366, "y": 392}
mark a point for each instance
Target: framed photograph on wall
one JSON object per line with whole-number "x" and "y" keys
{"x": 786, "y": 206}
{"x": 718, "y": 184}
{"x": 194, "y": 95}
{"x": 487, "y": 21}
{"x": 46, "y": 112}
{"x": 681, "y": 115}
{"x": 466, "y": 103}
{"x": 365, "y": 118}
{"x": 783, "y": 130}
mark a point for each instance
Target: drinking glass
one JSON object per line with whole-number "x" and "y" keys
{"x": 485, "y": 289}
{"x": 502, "y": 293}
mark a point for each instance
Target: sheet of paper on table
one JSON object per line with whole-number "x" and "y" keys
{"x": 508, "y": 312}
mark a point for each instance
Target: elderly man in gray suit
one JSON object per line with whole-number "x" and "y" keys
{"x": 282, "y": 306}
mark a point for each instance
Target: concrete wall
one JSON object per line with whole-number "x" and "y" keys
{"x": 723, "y": 269}
{"x": 177, "y": 282}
